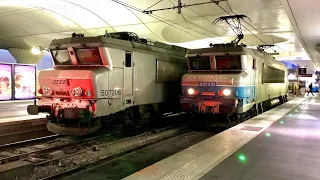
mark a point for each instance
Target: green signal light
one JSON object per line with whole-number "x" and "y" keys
{"x": 268, "y": 134}
{"x": 281, "y": 122}
{"x": 242, "y": 157}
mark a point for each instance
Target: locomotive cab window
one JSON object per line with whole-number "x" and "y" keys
{"x": 61, "y": 57}
{"x": 88, "y": 56}
{"x": 228, "y": 62}
{"x": 128, "y": 61}
{"x": 200, "y": 63}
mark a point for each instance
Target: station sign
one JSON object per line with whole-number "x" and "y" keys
{"x": 303, "y": 71}
{"x": 305, "y": 75}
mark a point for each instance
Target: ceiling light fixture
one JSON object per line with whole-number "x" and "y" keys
{"x": 38, "y": 50}
{"x": 35, "y": 51}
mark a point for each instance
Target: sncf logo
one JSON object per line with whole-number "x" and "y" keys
{"x": 60, "y": 81}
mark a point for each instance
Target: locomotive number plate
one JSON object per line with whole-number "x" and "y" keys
{"x": 207, "y": 84}
{"x": 60, "y": 82}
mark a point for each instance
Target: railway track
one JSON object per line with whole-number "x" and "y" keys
{"x": 74, "y": 156}
{"x": 28, "y": 142}
{"x": 107, "y": 152}
{"x": 63, "y": 156}
{"x": 30, "y": 148}
{"x": 20, "y": 136}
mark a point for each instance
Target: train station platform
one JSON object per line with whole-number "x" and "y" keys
{"x": 15, "y": 111}
{"x": 282, "y": 143}
{"x": 16, "y": 125}
{"x": 14, "y": 108}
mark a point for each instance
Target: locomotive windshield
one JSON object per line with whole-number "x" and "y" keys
{"x": 199, "y": 63}
{"x": 61, "y": 57}
{"x": 88, "y": 56}
{"x": 228, "y": 62}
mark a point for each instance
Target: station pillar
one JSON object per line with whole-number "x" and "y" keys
{"x": 25, "y": 56}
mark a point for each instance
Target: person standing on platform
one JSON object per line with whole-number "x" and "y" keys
{"x": 310, "y": 89}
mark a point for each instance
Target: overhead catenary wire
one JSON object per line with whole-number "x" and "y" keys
{"x": 154, "y": 4}
{"x": 187, "y": 20}
{"x": 239, "y": 21}
{"x": 198, "y": 25}
{"x": 201, "y": 26}
{"x": 185, "y": 5}
{"x": 145, "y": 24}
{"x": 249, "y": 25}
{"x": 210, "y": 22}
{"x": 166, "y": 21}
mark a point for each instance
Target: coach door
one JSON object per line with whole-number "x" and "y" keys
{"x": 128, "y": 79}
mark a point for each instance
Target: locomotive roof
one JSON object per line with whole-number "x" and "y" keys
{"x": 106, "y": 41}
{"x": 237, "y": 49}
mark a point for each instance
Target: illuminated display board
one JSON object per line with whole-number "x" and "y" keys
{"x": 25, "y": 81}
{"x": 5, "y": 82}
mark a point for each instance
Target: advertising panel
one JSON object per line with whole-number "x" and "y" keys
{"x": 25, "y": 81}
{"x": 5, "y": 82}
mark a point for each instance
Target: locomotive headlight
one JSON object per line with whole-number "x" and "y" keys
{"x": 76, "y": 91}
{"x": 191, "y": 91}
{"x": 226, "y": 92}
{"x": 47, "y": 91}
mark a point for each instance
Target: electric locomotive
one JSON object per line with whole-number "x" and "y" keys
{"x": 107, "y": 79}
{"x": 232, "y": 80}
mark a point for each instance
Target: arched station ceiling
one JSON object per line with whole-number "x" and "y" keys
{"x": 30, "y": 23}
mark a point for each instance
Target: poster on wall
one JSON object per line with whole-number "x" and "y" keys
{"x": 25, "y": 81}
{"x": 5, "y": 82}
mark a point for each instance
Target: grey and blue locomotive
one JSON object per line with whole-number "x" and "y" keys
{"x": 232, "y": 80}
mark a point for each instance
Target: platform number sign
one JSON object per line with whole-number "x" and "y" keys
{"x": 111, "y": 93}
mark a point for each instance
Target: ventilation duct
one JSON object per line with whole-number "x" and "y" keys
{"x": 25, "y": 56}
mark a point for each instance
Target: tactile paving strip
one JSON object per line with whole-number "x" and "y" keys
{"x": 251, "y": 128}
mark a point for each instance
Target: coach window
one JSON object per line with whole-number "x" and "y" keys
{"x": 128, "y": 59}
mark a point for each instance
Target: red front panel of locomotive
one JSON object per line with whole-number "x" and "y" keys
{"x": 67, "y": 84}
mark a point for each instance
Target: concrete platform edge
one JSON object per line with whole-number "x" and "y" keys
{"x": 20, "y": 119}
{"x": 186, "y": 163}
